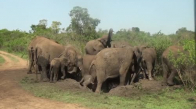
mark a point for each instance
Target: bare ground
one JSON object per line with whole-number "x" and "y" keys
{"x": 12, "y": 96}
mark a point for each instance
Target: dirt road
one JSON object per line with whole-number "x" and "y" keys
{"x": 12, "y": 96}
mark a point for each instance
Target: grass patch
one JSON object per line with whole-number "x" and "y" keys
{"x": 166, "y": 99}
{"x": 2, "y": 60}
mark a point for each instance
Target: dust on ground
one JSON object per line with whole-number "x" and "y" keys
{"x": 12, "y": 96}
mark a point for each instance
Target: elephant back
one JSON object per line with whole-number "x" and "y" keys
{"x": 174, "y": 50}
{"x": 50, "y": 49}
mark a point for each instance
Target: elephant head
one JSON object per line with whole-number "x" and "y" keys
{"x": 79, "y": 62}
{"x": 138, "y": 52}
{"x": 106, "y": 40}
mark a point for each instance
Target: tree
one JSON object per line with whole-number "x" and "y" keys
{"x": 82, "y": 23}
{"x": 135, "y": 29}
{"x": 181, "y": 30}
{"x": 55, "y": 26}
{"x": 42, "y": 25}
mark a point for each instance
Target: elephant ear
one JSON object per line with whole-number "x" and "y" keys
{"x": 138, "y": 53}
{"x": 103, "y": 40}
{"x": 64, "y": 61}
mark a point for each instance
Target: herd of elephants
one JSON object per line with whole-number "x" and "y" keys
{"x": 102, "y": 61}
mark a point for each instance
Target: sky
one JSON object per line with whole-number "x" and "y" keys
{"x": 149, "y": 15}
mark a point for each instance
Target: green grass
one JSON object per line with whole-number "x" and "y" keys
{"x": 166, "y": 99}
{"x": 2, "y": 60}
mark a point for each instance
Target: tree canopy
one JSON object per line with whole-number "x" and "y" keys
{"x": 82, "y": 23}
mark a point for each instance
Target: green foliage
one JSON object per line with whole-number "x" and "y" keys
{"x": 82, "y": 24}
{"x": 55, "y": 27}
{"x": 185, "y": 64}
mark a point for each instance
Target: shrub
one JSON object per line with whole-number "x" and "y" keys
{"x": 185, "y": 64}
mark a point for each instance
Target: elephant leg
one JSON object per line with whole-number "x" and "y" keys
{"x": 165, "y": 73}
{"x": 133, "y": 77}
{"x": 122, "y": 79}
{"x": 51, "y": 74}
{"x": 144, "y": 73}
{"x": 86, "y": 83}
{"x": 55, "y": 76}
{"x": 100, "y": 80}
{"x": 123, "y": 73}
{"x": 30, "y": 63}
{"x": 171, "y": 77}
{"x": 149, "y": 68}
{"x": 44, "y": 75}
{"x": 63, "y": 72}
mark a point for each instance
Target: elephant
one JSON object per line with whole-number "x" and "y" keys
{"x": 41, "y": 62}
{"x": 136, "y": 65}
{"x": 31, "y": 54}
{"x": 169, "y": 70}
{"x": 94, "y": 46}
{"x": 50, "y": 49}
{"x": 74, "y": 58}
{"x": 148, "y": 62}
{"x": 56, "y": 65}
{"x": 86, "y": 80}
{"x": 86, "y": 73}
{"x": 120, "y": 44}
{"x": 110, "y": 63}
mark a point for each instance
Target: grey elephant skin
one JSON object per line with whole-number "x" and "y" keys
{"x": 134, "y": 70}
{"x": 57, "y": 65}
{"x": 94, "y": 46}
{"x": 50, "y": 49}
{"x": 169, "y": 71}
{"x": 87, "y": 73}
{"x": 110, "y": 63}
{"x": 31, "y": 54}
{"x": 148, "y": 62}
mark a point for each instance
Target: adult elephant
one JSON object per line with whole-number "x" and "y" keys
{"x": 169, "y": 71}
{"x": 31, "y": 52}
{"x": 136, "y": 65}
{"x": 148, "y": 62}
{"x": 110, "y": 63}
{"x": 50, "y": 49}
{"x": 94, "y": 46}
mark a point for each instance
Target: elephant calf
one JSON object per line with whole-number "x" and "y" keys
{"x": 148, "y": 62}
{"x": 86, "y": 73}
{"x": 56, "y": 65}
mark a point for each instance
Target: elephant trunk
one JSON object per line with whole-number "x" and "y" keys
{"x": 108, "y": 43}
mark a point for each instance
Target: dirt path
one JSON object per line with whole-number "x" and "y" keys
{"x": 12, "y": 96}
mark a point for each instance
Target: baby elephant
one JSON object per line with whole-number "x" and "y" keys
{"x": 56, "y": 65}
{"x": 86, "y": 80}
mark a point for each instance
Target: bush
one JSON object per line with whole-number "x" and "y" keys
{"x": 185, "y": 64}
